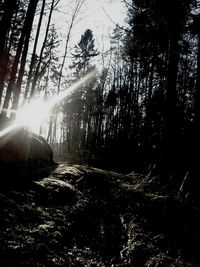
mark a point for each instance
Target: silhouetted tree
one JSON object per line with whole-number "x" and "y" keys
{"x": 8, "y": 8}
{"x": 25, "y": 36}
{"x": 54, "y": 3}
{"x": 33, "y": 57}
{"x": 78, "y": 111}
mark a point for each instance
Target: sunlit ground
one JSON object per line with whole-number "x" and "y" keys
{"x": 33, "y": 114}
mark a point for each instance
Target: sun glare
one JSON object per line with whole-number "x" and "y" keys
{"x": 33, "y": 114}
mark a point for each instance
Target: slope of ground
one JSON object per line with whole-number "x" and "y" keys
{"x": 81, "y": 216}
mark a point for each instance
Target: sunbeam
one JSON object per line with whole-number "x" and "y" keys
{"x": 34, "y": 113}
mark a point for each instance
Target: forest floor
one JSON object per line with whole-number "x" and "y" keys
{"x": 82, "y": 216}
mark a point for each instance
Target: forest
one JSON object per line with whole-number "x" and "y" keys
{"x": 131, "y": 111}
{"x": 141, "y": 106}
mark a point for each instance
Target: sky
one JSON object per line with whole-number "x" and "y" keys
{"x": 101, "y": 16}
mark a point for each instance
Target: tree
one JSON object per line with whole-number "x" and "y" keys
{"x": 78, "y": 109}
{"x": 5, "y": 23}
{"x": 176, "y": 19}
{"x": 9, "y": 7}
{"x": 25, "y": 35}
{"x": 78, "y": 5}
{"x": 84, "y": 52}
{"x": 33, "y": 57}
{"x": 54, "y": 3}
{"x": 157, "y": 53}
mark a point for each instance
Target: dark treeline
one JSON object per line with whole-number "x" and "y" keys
{"x": 142, "y": 106}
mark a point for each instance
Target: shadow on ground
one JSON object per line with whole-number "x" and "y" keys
{"x": 81, "y": 216}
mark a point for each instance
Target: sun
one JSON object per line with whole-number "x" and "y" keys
{"x": 33, "y": 114}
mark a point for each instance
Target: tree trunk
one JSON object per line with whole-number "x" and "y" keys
{"x": 5, "y": 25}
{"x": 148, "y": 124}
{"x": 78, "y": 5}
{"x": 37, "y": 71}
{"x": 25, "y": 32}
{"x": 6, "y": 56}
{"x": 33, "y": 58}
{"x": 197, "y": 99}
{"x": 171, "y": 139}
